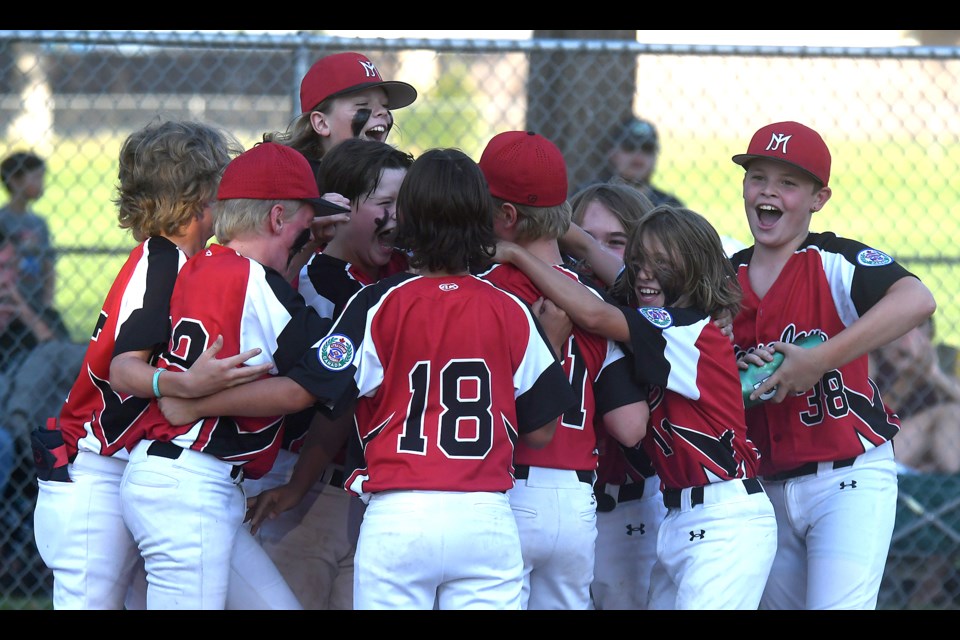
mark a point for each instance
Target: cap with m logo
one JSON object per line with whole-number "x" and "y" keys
{"x": 793, "y": 143}
{"x": 342, "y": 73}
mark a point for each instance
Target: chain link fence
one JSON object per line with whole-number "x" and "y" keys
{"x": 890, "y": 118}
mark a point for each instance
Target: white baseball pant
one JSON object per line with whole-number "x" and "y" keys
{"x": 835, "y": 527}
{"x": 186, "y": 514}
{"x": 715, "y": 547}
{"x": 438, "y": 549}
{"x": 82, "y": 538}
{"x": 556, "y": 515}
{"x": 627, "y": 545}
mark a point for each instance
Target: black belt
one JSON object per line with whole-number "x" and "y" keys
{"x": 172, "y": 452}
{"x": 671, "y": 497}
{"x": 807, "y": 469}
{"x": 626, "y": 493}
{"x": 522, "y": 472}
{"x": 632, "y": 491}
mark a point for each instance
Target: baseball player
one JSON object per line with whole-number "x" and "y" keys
{"x": 716, "y": 544}
{"x": 313, "y": 543}
{"x": 629, "y": 505}
{"x": 267, "y": 199}
{"x": 169, "y": 172}
{"x": 437, "y": 412}
{"x": 553, "y": 498}
{"x": 343, "y": 96}
{"x": 825, "y": 437}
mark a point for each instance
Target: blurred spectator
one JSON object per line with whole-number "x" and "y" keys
{"x": 23, "y": 176}
{"x": 37, "y": 366}
{"x": 634, "y": 147}
{"x": 912, "y": 379}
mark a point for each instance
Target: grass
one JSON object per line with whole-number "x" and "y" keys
{"x": 26, "y": 604}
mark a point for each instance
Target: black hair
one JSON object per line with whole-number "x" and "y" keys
{"x": 353, "y": 167}
{"x": 17, "y": 164}
{"x": 445, "y": 213}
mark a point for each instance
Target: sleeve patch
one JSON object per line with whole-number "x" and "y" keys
{"x": 873, "y": 258}
{"x": 336, "y": 352}
{"x": 657, "y": 316}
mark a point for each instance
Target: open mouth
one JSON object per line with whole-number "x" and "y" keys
{"x": 647, "y": 294}
{"x": 378, "y": 133}
{"x": 768, "y": 215}
{"x": 388, "y": 237}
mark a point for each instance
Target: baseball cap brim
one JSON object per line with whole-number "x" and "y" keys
{"x": 399, "y": 94}
{"x": 743, "y": 159}
{"x": 323, "y": 207}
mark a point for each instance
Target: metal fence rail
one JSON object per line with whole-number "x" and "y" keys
{"x": 889, "y": 115}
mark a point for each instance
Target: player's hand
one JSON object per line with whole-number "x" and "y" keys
{"x": 336, "y": 198}
{"x": 324, "y": 228}
{"x": 504, "y": 253}
{"x": 210, "y": 374}
{"x": 757, "y": 357}
{"x": 178, "y": 411}
{"x": 800, "y": 371}
{"x": 270, "y": 504}
{"x": 724, "y": 322}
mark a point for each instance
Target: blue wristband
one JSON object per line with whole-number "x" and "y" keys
{"x": 156, "y": 381}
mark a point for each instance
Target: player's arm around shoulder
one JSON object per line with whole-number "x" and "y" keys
{"x": 628, "y": 423}
{"x": 131, "y": 373}
{"x": 906, "y": 304}
{"x": 582, "y": 246}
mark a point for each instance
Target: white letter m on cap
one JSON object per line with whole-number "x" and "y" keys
{"x": 778, "y": 139}
{"x": 370, "y": 70}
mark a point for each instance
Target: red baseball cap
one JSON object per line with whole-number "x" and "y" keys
{"x": 347, "y": 72}
{"x": 525, "y": 168}
{"x": 273, "y": 171}
{"x": 793, "y": 143}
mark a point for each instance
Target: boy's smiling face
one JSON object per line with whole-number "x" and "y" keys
{"x": 367, "y": 109}
{"x": 779, "y": 200}
{"x": 367, "y": 240}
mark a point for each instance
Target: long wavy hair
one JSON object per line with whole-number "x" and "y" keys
{"x": 169, "y": 170}
{"x": 695, "y": 271}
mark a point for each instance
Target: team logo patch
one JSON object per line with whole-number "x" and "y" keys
{"x": 873, "y": 258}
{"x": 449, "y": 286}
{"x": 658, "y": 316}
{"x": 335, "y": 352}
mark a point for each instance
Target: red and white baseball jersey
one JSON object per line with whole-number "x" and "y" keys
{"x": 598, "y": 371}
{"x": 135, "y": 317}
{"x": 448, "y": 371}
{"x": 826, "y": 285}
{"x": 327, "y": 284}
{"x": 220, "y": 292}
{"x": 697, "y": 432}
